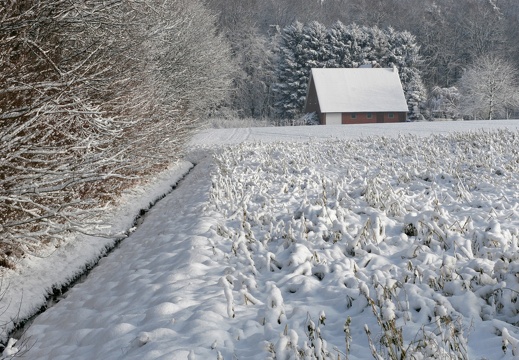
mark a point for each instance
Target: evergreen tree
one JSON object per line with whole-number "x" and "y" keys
{"x": 288, "y": 87}
{"x": 403, "y": 53}
{"x": 338, "y": 46}
{"x": 349, "y": 46}
{"x": 311, "y": 52}
{"x": 314, "y": 52}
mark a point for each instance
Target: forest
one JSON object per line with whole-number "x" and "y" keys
{"x": 97, "y": 94}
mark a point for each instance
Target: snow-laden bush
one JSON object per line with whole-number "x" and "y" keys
{"x": 94, "y": 95}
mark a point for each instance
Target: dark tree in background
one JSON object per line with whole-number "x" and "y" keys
{"x": 301, "y": 48}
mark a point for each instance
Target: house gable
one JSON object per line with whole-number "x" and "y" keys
{"x": 312, "y": 102}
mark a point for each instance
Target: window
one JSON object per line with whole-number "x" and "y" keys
{"x": 369, "y": 115}
{"x": 353, "y": 115}
{"x": 390, "y": 115}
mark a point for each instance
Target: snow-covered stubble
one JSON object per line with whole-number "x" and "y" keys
{"x": 422, "y": 229}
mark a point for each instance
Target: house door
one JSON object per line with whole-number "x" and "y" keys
{"x": 380, "y": 117}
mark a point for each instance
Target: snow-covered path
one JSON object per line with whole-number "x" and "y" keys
{"x": 145, "y": 292}
{"x": 167, "y": 292}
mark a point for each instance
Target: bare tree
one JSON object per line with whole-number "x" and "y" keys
{"x": 489, "y": 89}
{"x": 252, "y": 93}
{"x": 444, "y": 102}
{"x": 183, "y": 71}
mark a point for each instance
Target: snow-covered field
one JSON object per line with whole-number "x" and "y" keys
{"x": 311, "y": 242}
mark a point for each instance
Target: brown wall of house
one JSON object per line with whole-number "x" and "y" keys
{"x": 359, "y": 118}
{"x": 365, "y": 118}
{"x": 322, "y": 119}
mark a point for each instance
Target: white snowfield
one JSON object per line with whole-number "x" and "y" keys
{"x": 306, "y": 133}
{"x": 319, "y": 242}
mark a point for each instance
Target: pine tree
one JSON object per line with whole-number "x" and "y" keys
{"x": 302, "y": 48}
{"x": 314, "y": 53}
{"x": 362, "y": 45}
{"x": 403, "y": 53}
{"x": 289, "y": 70}
{"x": 338, "y": 45}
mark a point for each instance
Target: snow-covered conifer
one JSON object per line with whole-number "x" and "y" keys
{"x": 290, "y": 72}
{"x": 403, "y": 53}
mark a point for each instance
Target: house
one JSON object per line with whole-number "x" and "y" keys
{"x": 356, "y": 96}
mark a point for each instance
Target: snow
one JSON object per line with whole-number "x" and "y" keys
{"x": 353, "y": 90}
{"x": 24, "y": 291}
{"x": 309, "y": 133}
{"x": 279, "y": 236}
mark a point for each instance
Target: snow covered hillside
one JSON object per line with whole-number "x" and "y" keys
{"x": 314, "y": 243}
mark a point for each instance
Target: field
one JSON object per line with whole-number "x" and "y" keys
{"x": 399, "y": 246}
{"x": 417, "y": 238}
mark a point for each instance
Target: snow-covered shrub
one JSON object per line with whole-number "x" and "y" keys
{"x": 234, "y": 122}
{"x": 84, "y": 112}
{"x": 444, "y": 103}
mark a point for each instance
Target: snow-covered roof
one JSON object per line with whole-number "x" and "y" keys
{"x": 359, "y": 90}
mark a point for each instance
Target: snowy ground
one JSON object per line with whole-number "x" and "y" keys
{"x": 306, "y": 133}
{"x": 279, "y": 236}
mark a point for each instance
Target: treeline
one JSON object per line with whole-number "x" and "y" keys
{"x": 93, "y": 95}
{"x": 452, "y": 36}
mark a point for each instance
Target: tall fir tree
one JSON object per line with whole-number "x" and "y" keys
{"x": 288, "y": 89}
{"x": 403, "y": 53}
{"x": 303, "y": 48}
